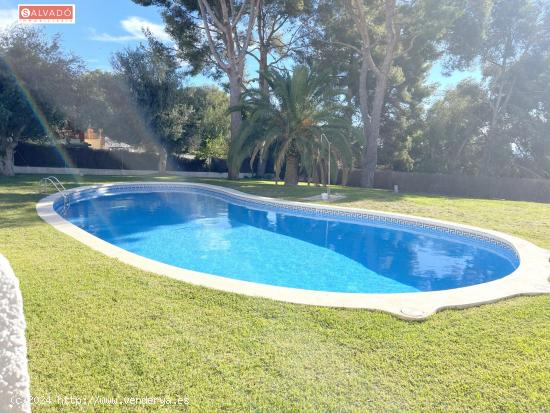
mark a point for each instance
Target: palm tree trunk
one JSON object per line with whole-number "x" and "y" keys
{"x": 262, "y": 162}
{"x": 345, "y": 176}
{"x": 163, "y": 160}
{"x": 291, "y": 168}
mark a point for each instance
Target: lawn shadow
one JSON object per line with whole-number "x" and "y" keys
{"x": 17, "y": 209}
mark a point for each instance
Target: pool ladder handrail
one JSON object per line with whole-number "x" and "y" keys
{"x": 52, "y": 180}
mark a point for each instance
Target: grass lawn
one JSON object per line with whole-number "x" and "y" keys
{"x": 97, "y": 327}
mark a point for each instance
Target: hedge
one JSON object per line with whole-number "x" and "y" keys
{"x": 28, "y": 154}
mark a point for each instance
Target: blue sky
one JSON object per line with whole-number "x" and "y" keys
{"x": 105, "y": 26}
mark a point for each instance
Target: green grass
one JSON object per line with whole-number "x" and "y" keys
{"x": 97, "y": 327}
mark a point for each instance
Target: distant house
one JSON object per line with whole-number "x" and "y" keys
{"x": 93, "y": 139}
{"x": 71, "y": 137}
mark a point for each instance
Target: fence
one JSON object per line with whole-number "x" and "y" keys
{"x": 83, "y": 157}
{"x": 536, "y": 190}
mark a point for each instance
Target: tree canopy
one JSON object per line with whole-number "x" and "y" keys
{"x": 378, "y": 55}
{"x": 303, "y": 107}
{"x": 36, "y": 99}
{"x": 153, "y": 78}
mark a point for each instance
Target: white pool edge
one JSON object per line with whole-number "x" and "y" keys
{"x": 530, "y": 278}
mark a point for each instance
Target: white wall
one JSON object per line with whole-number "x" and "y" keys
{"x": 113, "y": 172}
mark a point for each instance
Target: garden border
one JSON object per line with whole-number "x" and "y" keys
{"x": 530, "y": 278}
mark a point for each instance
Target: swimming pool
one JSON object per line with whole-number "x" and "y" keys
{"x": 258, "y": 243}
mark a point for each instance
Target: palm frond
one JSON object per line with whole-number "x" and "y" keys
{"x": 301, "y": 106}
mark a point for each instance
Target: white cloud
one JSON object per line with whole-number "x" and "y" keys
{"x": 7, "y": 17}
{"x": 134, "y": 28}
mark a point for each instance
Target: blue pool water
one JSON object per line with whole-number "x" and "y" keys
{"x": 206, "y": 233}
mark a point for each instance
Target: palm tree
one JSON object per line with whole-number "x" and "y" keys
{"x": 302, "y": 106}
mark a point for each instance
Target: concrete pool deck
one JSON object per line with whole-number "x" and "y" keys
{"x": 530, "y": 278}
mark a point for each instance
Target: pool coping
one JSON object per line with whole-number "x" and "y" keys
{"x": 530, "y": 278}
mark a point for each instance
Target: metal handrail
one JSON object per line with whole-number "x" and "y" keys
{"x": 44, "y": 182}
{"x": 52, "y": 180}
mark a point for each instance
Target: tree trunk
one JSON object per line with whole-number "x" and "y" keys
{"x": 7, "y": 152}
{"x": 322, "y": 173}
{"x": 498, "y": 107}
{"x": 264, "y": 86}
{"x": 487, "y": 151}
{"x": 370, "y": 153}
{"x": 345, "y": 176}
{"x": 315, "y": 175}
{"x": 369, "y": 156}
{"x": 371, "y": 119}
{"x": 262, "y": 162}
{"x": 234, "y": 100}
{"x": 488, "y": 166}
{"x": 163, "y": 160}
{"x": 231, "y": 58}
{"x": 263, "y": 50}
{"x": 291, "y": 168}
